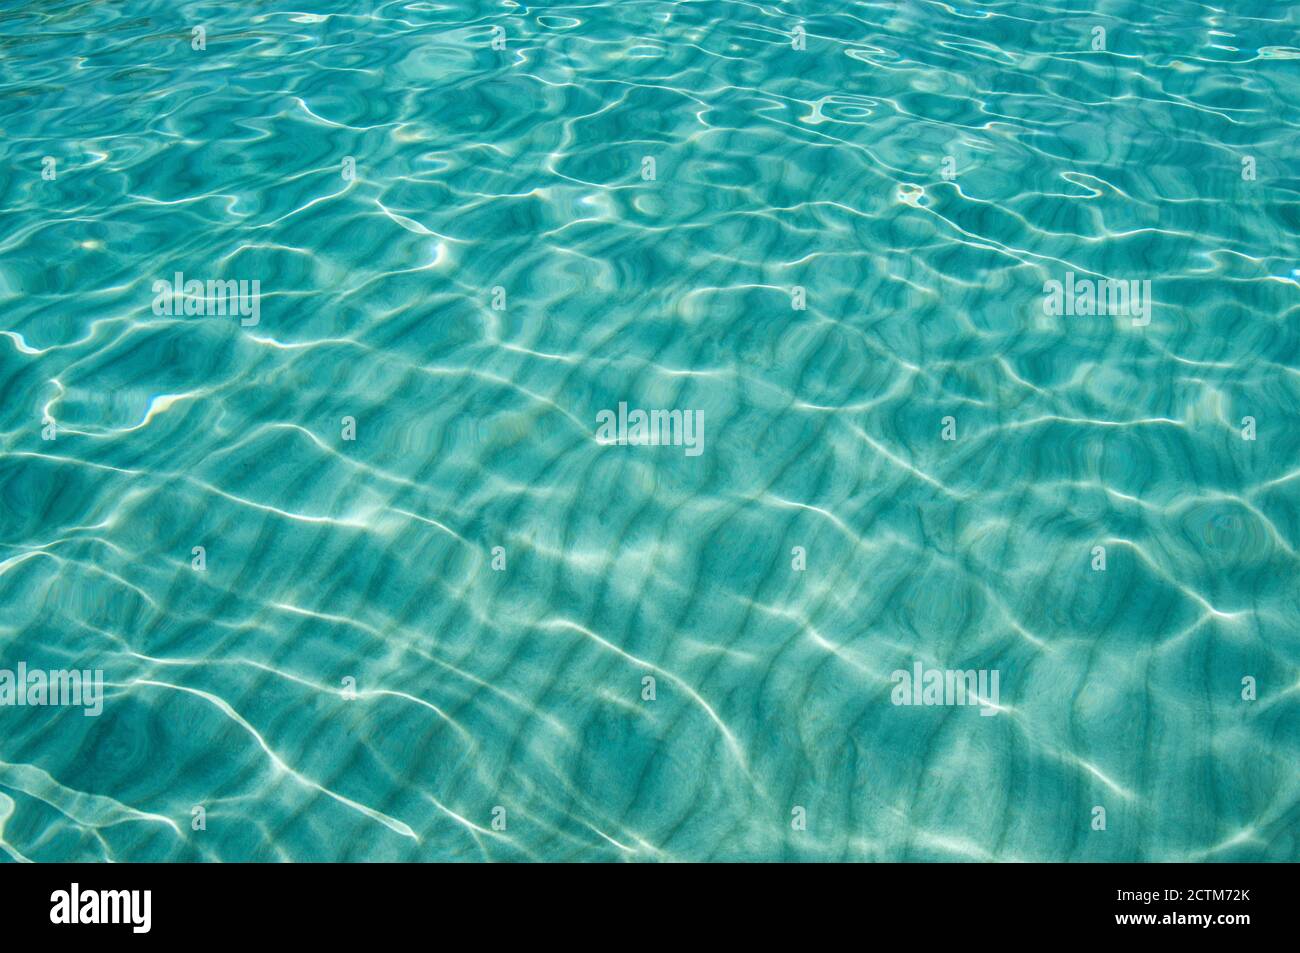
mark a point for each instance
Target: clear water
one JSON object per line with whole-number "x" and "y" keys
{"x": 349, "y": 678}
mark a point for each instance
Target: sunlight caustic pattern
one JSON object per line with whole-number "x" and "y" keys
{"x": 649, "y": 431}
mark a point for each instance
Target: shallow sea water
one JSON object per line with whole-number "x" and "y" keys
{"x": 350, "y": 678}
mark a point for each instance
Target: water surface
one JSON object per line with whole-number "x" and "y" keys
{"x": 350, "y": 678}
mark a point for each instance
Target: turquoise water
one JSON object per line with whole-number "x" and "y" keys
{"x": 341, "y": 672}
